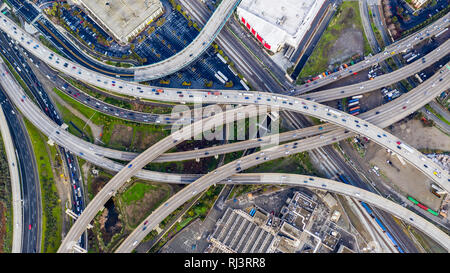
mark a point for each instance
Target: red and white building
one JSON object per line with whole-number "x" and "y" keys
{"x": 278, "y": 22}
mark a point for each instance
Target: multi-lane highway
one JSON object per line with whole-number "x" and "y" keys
{"x": 391, "y": 50}
{"x": 15, "y": 58}
{"x": 430, "y": 81}
{"x": 383, "y": 115}
{"x": 141, "y": 73}
{"x": 147, "y": 156}
{"x": 15, "y": 184}
{"x": 282, "y": 179}
{"x": 284, "y": 102}
{"x": 325, "y": 113}
{"x": 30, "y": 189}
{"x": 260, "y": 96}
{"x": 134, "y": 89}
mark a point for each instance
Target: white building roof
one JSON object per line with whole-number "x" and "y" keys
{"x": 123, "y": 18}
{"x": 280, "y": 21}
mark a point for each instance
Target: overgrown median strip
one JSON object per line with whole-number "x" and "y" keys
{"x": 51, "y": 216}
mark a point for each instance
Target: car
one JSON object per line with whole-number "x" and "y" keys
{"x": 404, "y": 107}
{"x": 146, "y": 222}
{"x": 129, "y": 166}
{"x": 29, "y": 227}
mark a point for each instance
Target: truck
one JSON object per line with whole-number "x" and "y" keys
{"x": 354, "y": 108}
{"x": 353, "y": 103}
{"x": 411, "y": 58}
{"x": 333, "y": 112}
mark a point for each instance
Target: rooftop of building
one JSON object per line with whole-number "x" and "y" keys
{"x": 121, "y": 17}
{"x": 288, "y": 15}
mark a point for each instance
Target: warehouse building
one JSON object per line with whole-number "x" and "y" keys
{"x": 278, "y": 23}
{"x": 123, "y": 19}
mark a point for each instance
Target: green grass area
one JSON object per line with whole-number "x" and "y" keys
{"x": 299, "y": 163}
{"x": 68, "y": 116}
{"x": 347, "y": 16}
{"x": 49, "y": 45}
{"x": 111, "y": 123}
{"x": 119, "y": 64}
{"x": 136, "y": 192}
{"x": 6, "y": 227}
{"x": 429, "y": 108}
{"x": 120, "y": 100}
{"x": 51, "y": 214}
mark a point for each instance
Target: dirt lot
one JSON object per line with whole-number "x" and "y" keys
{"x": 349, "y": 43}
{"x": 414, "y": 133}
{"x": 121, "y": 135}
{"x": 404, "y": 178}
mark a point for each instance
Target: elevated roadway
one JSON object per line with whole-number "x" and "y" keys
{"x": 134, "y": 166}
{"x": 155, "y": 70}
{"x": 29, "y": 177}
{"x": 389, "y": 51}
{"x": 314, "y": 109}
{"x": 148, "y": 92}
{"x": 427, "y": 81}
{"x": 383, "y": 80}
{"x": 282, "y": 179}
{"x": 15, "y": 184}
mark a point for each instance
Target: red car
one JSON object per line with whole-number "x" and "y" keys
{"x": 404, "y": 107}
{"x": 398, "y": 142}
{"x": 29, "y": 227}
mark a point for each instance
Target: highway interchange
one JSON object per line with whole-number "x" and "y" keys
{"x": 439, "y": 82}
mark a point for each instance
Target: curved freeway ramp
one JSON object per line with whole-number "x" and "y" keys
{"x": 292, "y": 180}
{"x": 117, "y": 85}
{"x": 15, "y": 183}
{"x": 339, "y": 118}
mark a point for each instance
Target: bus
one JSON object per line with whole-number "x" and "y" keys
{"x": 353, "y": 103}
{"x": 412, "y": 58}
{"x": 444, "y": 30}
{"x": 357, "y": 97}
{"x": 353, "y": 100}
{"x": 219, "y": 78}
{"x": 244, "y": 85}
{"x": 222, "y": 75}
